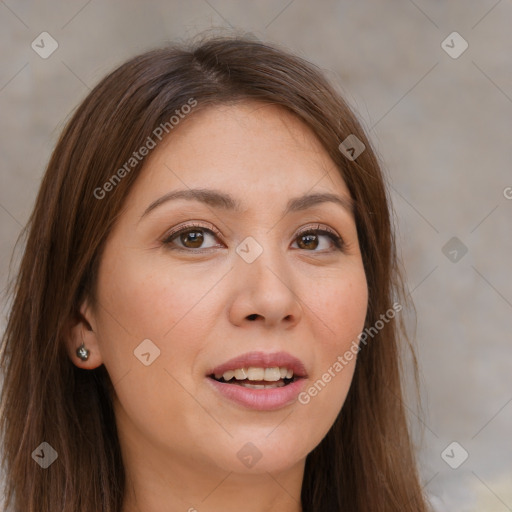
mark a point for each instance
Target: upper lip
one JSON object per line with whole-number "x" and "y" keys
{"x": 263, "y": 360}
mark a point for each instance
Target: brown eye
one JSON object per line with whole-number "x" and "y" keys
{"x": 194, "y": 238}
{"x": 310, "y": 240}
{"x": 190, "y": 237}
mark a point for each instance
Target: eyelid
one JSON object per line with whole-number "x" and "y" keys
{"x": 318, "y": 227}
{"x": 185, "y": 227}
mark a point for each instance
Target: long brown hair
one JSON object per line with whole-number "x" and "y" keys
{"x": 366, "y": 460}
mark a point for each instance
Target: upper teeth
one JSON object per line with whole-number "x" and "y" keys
{"x": 271, "y": 374}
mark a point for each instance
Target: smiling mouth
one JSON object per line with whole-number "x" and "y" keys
{"x": 257, "y": 377}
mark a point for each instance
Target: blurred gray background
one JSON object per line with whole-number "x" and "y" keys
{"x": 440, "y": 117}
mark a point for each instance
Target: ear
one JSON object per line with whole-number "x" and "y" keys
{"x": 81, "y": 329}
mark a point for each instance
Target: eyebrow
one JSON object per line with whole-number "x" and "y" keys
{"x": 224, "y": 201}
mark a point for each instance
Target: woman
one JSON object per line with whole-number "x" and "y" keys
{"x": 209, "y": 255}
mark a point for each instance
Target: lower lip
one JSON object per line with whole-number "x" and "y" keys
{"x": 260, "y": 399}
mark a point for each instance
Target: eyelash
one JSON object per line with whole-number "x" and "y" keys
{"x": 338, "y": 242}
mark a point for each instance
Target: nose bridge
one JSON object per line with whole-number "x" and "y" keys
{"x": 263, "y": 259}
{"x": 267, "y": 288}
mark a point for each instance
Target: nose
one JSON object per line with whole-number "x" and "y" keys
{"x": 265, "y": 292}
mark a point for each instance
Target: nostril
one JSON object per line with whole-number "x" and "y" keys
{"x": 253, "y": 316}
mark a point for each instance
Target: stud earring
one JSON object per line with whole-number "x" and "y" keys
{"x": 82, "y": 353}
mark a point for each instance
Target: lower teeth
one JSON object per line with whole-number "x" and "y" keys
{"x": 246, "y": 384}
{"x": 261, "y": 386}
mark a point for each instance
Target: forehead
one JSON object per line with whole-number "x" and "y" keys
{"x": 250, "y": 149}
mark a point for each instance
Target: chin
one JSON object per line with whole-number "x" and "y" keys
{"x": 260, "y": 453}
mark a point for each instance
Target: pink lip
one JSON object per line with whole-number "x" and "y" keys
{"x": 263, "y": 360}
{"x": 261, "y": 399}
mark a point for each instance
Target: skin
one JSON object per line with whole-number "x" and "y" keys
{"x": 179, "y": 437}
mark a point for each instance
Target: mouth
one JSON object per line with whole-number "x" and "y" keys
{"x": 259, "y": 380}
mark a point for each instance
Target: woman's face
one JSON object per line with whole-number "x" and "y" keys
{"x": 252, "y": 289}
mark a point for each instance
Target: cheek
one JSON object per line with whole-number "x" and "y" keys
{"x": 339, "y": 313}
{"x": 338, "y": 306}
{"x": 174, "y": 309}
{"x": 151, "y": 300}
